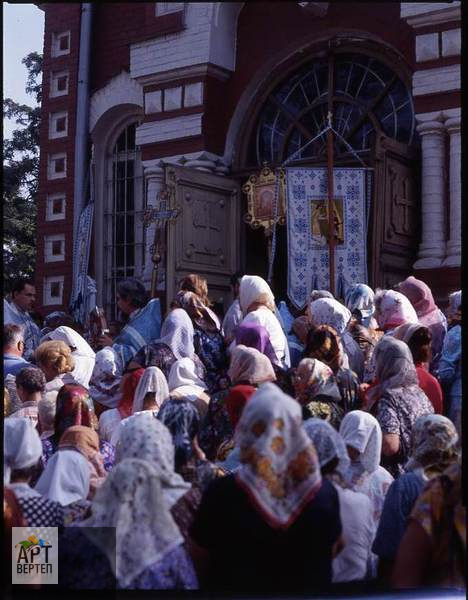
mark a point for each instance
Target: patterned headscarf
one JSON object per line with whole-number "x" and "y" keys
{"x": 74, "y": 407}
{"x": 393, "y": 309}
{"x": 328, "y": 443}
{"x": 394, "y": 367}
{"x": 143, "y": 436}
{"x": 196, "y": 309}
{"x": 361, "y": 431}
{"x": 324, "y": 344}
{"x": 177, "y": 333}
{"x": 182, "y": 419}
{"x": 420, "y": 296}
{"x": 316, "y": 294}
{"x": 250, "y": 366}
{"x": 279, "y": 465}
{"x": 328, "y": 311}
{"x": 318, "y": 378}
{"x": 455, "y": 307}
{"x": 360, "y": 297}
{"x": 405, "y": 332}
{"x": 434, "y": 445}
{"x": 255, "y": 336}
{"x": 130, "y": 520}
{"x": 129, "y": 386}
{"x": 255, "y": 289}
{"x": 104, "y": 385}
{"x": 236, "y": 400}
{"x": 153, "y": 380}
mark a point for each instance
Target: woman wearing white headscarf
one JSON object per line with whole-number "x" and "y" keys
{"x": 352, "y": 562}
{"x": 176, "y": 342}
{"x": 258, "y": 307}
{"x": 393, "y": 309}
{"x": 184, "y": 382}
{"x": 151, "y": 391}
{"x": 328, "y": 311}
{"x": 363, "y": 438}
{"x": 397, "y": 401}
{"x": 251, "y": 526}
{"x": 83, "y": 355}
{"x": 450, "y": 365}
{"x": 65, "y": 478}
{"x": 22, "y": 450}
{"x": 133, "y": 536}
{"x": 104, "y": 385}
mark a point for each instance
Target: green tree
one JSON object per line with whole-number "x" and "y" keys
{"x": 20, "y": 178}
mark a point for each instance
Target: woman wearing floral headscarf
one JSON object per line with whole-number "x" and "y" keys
{"x": 434, "y": 448}
{"x": 450, "y": 365}
{"x": 393, "y": 309}
{"x": 317, "y": 392}
{"x": 429, "y": 314}
{"x": 323, "y": 343}
{"x": 352, "y": 562}
{"x": 248, "y": 367}
{"x": 363, "y": 438}
{"x": 397, "y": 401}
{"x": 74, "y": 407}
{"x": 131, "y": 540}
{"x": 328, "y": 311}
{"x": 274, "y": 504}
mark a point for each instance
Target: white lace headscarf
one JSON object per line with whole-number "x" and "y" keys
{"x": 361, "y": 431}
{"x": 183, "y": 374}
{"x": 248, "y": 365}
{"x": 22, "y": 446}
{"x": 394, "y": 367}
{"x": 328, "y": 311}
{"x": 405, "y": 332}
{"x": 328, "y": 443}
{"x": 392, "y": 309}
{"x": 145, "y": 437}
{"x": 153, "y": 380}
{"x": 455, "y": 301}
{"x": 66, "y": 477}
{"x": 83, "y": 355}
{"x": 130, "y": 521}
{"x": 255, "y": 289}
{"x": 104, "y": 385}
{"x": 279, "y": 465}
{"x": 177, "y": 333}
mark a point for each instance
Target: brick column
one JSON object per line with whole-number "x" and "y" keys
{"x": 454, "y": 244}
{"x": 432, "y": 248}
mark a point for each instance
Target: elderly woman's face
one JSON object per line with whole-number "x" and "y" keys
{"x": 300, "y": 381}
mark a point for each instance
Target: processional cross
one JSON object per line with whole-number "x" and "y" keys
{"x": 160, "y": 215}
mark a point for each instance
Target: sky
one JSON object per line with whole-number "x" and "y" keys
{"x": 23, "y": 32}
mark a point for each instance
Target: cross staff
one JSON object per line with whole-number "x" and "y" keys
{"x": 330, "y": 159}
{"x": 160, "y": 215}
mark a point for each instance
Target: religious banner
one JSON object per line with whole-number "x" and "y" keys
{"x": 307, "y": 230}
{"x": 79, "y": 303}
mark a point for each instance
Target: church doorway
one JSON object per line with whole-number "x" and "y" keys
{"x": 373, "y": 113}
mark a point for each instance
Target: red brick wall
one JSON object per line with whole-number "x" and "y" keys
{"x": 58, "y": 17}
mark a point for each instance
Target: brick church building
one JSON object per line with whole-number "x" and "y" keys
{"x": 184, "y": 101}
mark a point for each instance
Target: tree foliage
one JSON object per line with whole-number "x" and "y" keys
{"x": 20, "y": 178}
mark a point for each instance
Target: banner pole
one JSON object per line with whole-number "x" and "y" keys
{"x": 330, "y": 159}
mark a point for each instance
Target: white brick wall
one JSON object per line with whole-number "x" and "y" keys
{"x": 451, "y": 42}
{"x": 427, "y": 47}
{"x": 412, "y": 9}
{"x": 442, "y": 79}
{"x": 169, "y": 129}
{"x": 122, "y": 89}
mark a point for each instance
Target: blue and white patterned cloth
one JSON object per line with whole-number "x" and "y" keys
{"x": 308, "y": 256}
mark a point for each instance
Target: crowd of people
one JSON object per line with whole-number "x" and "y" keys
{"x": 266, "y": 450}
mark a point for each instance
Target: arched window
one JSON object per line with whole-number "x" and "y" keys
{"x": 124, "y": 232}
{"x": 367, "y": 97}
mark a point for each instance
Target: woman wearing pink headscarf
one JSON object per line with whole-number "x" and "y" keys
{"x": 429, "y": 314}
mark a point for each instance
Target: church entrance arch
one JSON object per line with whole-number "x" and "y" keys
{"x": 373, "y": 113}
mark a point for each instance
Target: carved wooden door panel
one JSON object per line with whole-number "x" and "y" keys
{"x": 205, "y": 236}
{"x": 395, "y": 213}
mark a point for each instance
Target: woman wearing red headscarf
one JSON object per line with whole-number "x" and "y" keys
{"x": 110, "y": 419}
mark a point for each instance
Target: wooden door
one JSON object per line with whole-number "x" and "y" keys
{"x": 395, "y": 210}
{"x": 204, "y": 239}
